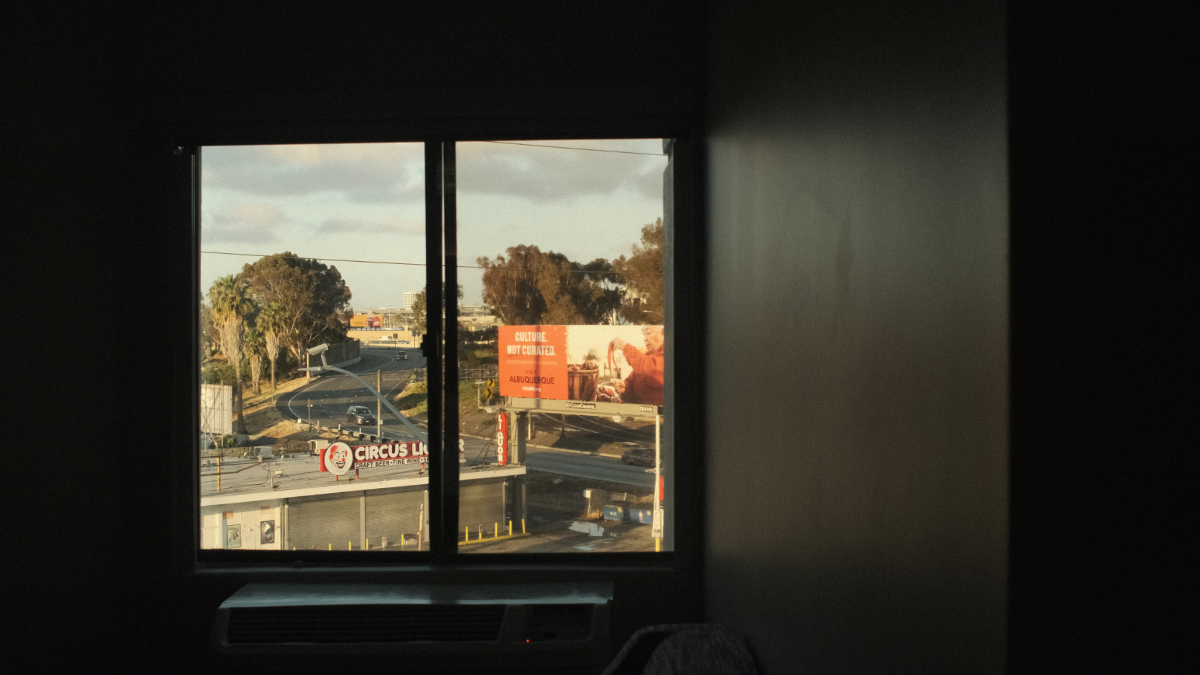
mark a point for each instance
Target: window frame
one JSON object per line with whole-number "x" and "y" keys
{"x": 683, "y": 412}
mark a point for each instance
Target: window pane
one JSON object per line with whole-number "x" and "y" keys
{"x": 303, "y": 246}
{"x": 561, "y": 356}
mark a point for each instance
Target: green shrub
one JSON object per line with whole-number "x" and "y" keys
{"x": 217, "y": 372}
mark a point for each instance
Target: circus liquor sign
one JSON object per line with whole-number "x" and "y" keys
{"x": 340, "y": 458}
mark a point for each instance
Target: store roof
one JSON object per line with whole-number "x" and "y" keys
{"x": 248, "y": 479}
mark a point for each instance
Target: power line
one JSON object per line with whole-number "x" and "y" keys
{"x": 411, "y": 264}
{"x": 565, "y": 147}
{"x": 372, "y": 262}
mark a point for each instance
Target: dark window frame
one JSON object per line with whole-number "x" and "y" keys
{"x": 685, "y": 317}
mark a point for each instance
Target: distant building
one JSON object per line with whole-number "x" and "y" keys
{"x": 409, "y": 297}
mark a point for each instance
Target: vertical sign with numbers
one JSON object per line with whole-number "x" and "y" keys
{"x": 502, "y": 439}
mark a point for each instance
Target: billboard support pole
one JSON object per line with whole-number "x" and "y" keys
{"x": 524, "y": 419}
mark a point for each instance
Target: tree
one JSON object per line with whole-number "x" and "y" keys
{"x": 642, "y": 274}
{"x": 208, "y": 332}
{"x": 593, "y": 288}
{"x": 313, "y": 298}
{"x": 256, "y": 348}
{"x": 418, "y": 310}
{"x": 510, "y": 286}
{"x": 271, "y": 323}
{"x": 419, "y": 307}
{"x": 532, "y": 287}
{"x": 231, "y": 308}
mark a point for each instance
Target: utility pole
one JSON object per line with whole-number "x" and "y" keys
{"x": 378, "y": 405}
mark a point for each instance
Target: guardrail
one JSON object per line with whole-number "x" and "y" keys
{"x": 472, "y": 374}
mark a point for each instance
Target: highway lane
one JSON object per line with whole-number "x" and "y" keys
{"x": 332, "y": 393}
{"x": 588, "y": 466}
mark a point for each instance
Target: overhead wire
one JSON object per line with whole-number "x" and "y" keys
{"x": 566, "y": 147}
{"x": 412, "y": 264}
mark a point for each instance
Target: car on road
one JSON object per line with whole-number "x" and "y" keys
{"x": 402, "y": 356}
{"x": 639, "y": 456}
{"x": 360, "y": 414}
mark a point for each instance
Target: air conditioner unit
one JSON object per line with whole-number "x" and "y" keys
{"x": 433, "y": 628}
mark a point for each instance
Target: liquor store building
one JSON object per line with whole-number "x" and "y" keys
{"x": 391, "y": 513}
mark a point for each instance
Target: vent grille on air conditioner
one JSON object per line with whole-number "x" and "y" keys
{"x": 351, "y": 624}
{"x": 551, "y": 627}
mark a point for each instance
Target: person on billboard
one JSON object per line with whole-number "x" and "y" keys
{"x": 645, "y": 384}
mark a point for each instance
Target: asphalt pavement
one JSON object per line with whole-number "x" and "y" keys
{"x": 330, "y": 394}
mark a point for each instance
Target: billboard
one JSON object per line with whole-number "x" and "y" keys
{"x": 216, "y": 409}
{"x": 617, "y": 364}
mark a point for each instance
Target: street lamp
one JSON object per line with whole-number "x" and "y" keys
{"x": 322, "y": 348}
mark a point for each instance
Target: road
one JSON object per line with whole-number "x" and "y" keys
{"x": 332, "y": 393}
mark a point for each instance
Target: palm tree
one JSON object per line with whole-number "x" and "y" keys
{"x": 255, "y": 349}
{"x": 271, "y": 323}
{"x": 231, "y": 308}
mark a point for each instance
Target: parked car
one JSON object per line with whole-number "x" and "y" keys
{"x": 639, "y": 456}
{"x": 360, "y": 414}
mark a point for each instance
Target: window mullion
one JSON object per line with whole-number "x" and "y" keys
{"x": 439, "y": 544}
{"x": 450, "y": 428}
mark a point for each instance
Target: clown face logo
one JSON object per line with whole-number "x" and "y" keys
{"x": 339, "y": 459}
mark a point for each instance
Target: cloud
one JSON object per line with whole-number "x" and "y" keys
{"x": 365, "y": 172}
{"x": 554, "y": 173}
{"x": 394, "y": 225}
{"x": 244, "y": 222}
{"x": 394, "y": 172}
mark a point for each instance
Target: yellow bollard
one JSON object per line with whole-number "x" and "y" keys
{"x": 467, "y": 532}
{"x": 510, "y": 528}
{"x": 657, "y": 545}
{"x": 349, "y": 546}
{"x": 331, "y": 547}
{"x": 368, "y": 544}
{"x": 522, "y": 526}
{"x": 497, "y": 534}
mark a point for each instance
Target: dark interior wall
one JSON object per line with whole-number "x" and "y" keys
{"x": 1101, "y": 573}
{"x": 858, "y": 335}
{"x": 1103, "y": 563}
{"x": 97, "y": 92}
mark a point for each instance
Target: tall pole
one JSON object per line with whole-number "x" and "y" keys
{"x": 378, "y": 405}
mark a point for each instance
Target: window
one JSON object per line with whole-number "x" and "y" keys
{"x": 551, "y": 370}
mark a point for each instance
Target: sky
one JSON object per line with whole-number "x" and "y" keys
{"x": 366, "y": 202}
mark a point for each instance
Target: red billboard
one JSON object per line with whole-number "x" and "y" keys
{"x": 618, "y": 364}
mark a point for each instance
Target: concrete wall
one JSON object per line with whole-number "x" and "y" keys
{"x": 857, "y": 322}
{"x": 214, "y": 521}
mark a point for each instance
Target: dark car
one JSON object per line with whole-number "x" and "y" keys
{"x": 639, "y": 456}
{"x": 402, "y": 355}
{"x": 360, "y": 414}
